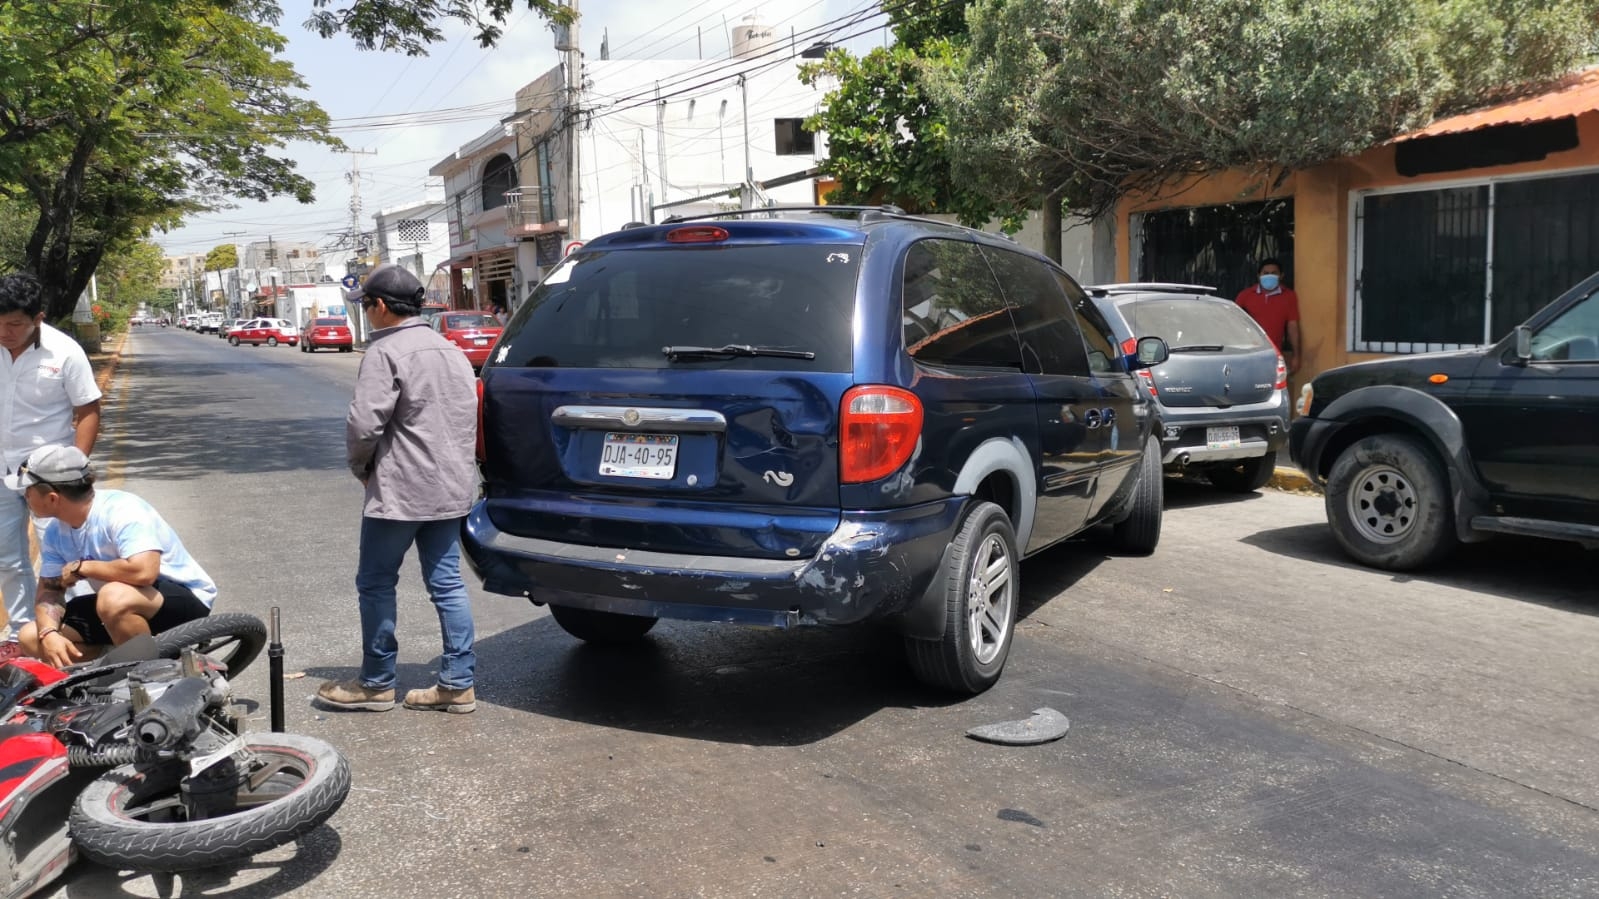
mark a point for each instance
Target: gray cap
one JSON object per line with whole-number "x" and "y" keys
{"x": 51, "y": 465}
{"x": 391, "y": 283}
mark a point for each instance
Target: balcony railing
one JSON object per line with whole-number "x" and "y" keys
{"x": 530, "y": 211}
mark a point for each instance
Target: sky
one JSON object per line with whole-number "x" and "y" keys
{"x": 411, "y": 112}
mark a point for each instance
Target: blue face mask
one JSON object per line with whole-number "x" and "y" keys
{"x": 1269, "y": 282}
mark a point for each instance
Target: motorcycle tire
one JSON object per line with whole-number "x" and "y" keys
{"x": 232, "y": 638}
{"x": 132, "y": 817}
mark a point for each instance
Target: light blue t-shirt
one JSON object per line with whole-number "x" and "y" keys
{"x": 120, "y": 526}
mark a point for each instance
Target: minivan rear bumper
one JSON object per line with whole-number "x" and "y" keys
{"x": 875, "y": 564}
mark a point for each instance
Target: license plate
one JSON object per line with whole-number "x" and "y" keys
{"x": 1222, "y": 438}
{"x": 652, "y": 456}
{"x": 480, "y": 341}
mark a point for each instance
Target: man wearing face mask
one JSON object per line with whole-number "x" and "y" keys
{"x": 1275, "y": 308}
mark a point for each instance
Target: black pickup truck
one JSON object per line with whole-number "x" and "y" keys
{"x": 1417, "y": 453}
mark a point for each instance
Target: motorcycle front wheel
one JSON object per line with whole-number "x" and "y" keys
{"x": 154, "y": 818}
{"x": 232, "y": 638}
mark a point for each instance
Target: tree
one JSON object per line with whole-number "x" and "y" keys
{"x": 222, "y": 256}
{"x": 118, "y": 118}
{"x": 1089, "y": 99}
{"x": 129, "y": 276}
{"x": 411, "y": 26}
{"x": 888, "y": 140}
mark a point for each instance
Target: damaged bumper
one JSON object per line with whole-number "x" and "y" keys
{"x": 875, "y": 564}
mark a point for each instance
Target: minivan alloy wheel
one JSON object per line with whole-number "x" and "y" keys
{"x": 989, "y": 596}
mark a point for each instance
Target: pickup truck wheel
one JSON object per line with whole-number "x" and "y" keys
{"x": 1139, "y": 533}
{"x": 1388, "y": 503}
{"x": 591, "y": 626}
{"x": 981, "y": 584}
{"x": 1244, "y": 476}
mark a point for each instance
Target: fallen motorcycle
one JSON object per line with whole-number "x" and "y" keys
{"x": 138, "y": 760}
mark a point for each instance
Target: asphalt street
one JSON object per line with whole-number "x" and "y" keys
{"x": 1251, "y": 715}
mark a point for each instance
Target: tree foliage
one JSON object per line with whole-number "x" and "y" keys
{"x": 222, "y": 256}
{"x": 888, "y": 140}
{"x": 1092, "y": 98}
{"x": 411, "y": 26}
{"x": 117, "y": 118}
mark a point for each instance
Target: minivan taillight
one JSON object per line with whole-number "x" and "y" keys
{"x": 481, "y": 455}
{"x": 879, "y": 427}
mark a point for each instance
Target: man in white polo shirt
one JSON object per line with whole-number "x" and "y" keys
{"x": 47, "y": 396}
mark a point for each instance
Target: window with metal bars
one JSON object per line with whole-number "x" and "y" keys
{"x": 1218, "y": 246}
{"x": 412, "y": 230}
{"x": 1461, "y": 266}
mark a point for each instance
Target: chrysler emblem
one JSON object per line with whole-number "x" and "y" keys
{"x": 630, "y": 417}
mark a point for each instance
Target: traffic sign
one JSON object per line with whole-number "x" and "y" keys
{"x": 572, "y": 246}
{"x": 350, "y": 282}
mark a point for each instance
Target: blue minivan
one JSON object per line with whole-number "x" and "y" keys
{"x": 812, "y": 416}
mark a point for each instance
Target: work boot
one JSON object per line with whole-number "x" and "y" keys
{"x": 442, "y": 699}
{"x": 354, "y": 696}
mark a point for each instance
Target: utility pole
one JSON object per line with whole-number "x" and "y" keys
{"x": 748, "y": 193}
{"x": 566, "y": 41}
{"x": 357, "y": 232}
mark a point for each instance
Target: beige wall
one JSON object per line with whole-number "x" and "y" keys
{"x": 1322, "y": 226}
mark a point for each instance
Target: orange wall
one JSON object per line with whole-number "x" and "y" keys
{"x": 1321, "y": 227}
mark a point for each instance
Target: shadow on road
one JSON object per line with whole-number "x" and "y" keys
{"x": 1191, "y": 492}
{"x": 1546, "y": 572}
{"x": 176, "y": 437}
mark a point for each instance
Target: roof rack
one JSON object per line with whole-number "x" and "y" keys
{"x": 863, "y": 214}
{"x": 1148, "y": 286}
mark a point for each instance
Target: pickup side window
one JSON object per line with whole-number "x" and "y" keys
{"x": 1572, "y": 337}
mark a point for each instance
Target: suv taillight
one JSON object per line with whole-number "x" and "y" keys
{"x": 879, "y": 427}
{"x": 481, "y": 455}
{"x": 1282, "y": 374}
{"x": 1148, "y": 378}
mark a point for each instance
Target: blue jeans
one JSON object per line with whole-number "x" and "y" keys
{"x": 384, "y": 544}
{"x": 17, "y": 580}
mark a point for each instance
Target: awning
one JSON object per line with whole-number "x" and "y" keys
{"x": 1573, "y": 95}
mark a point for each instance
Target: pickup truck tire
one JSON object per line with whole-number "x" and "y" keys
{"x": 592, "y": 626}
{"x": 1388, "y": 503}
{"x": 1245, "y": 476}
{"x": 1139, "y": 533}
{"x": 981, "y": 581}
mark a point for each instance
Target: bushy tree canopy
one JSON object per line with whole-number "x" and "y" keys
{"x": 1091, "y": 98}
{"x": 222, "y": 256}
{"x": 411, "y": 26}
{"x": 119, "y": 117}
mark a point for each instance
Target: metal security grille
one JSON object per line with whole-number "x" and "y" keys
{"x": 1462, "y": 266}
{"x": 1218, "y": 246}
{"x": 413, "y": 230}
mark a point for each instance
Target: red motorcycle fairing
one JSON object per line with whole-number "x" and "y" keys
{"x": 34, "y": 847}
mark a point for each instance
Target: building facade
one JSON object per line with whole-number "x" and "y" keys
{"x": 417, "y": 237}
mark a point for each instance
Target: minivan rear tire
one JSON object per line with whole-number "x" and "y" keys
{"x": 956, "y": 661}
{"x": 593, "y": 626}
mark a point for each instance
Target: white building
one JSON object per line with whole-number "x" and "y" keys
{"x": 655, "y": 138}
{"x": 416, "y": 237}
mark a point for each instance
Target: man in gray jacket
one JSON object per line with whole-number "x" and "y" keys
{"x": 410, "y": 437}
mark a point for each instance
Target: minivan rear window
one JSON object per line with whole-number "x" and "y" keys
{"x": 1185, "y": 322}
{"x": 619, "y": 308}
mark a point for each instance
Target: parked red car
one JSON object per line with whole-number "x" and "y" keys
{"x": 327, "y": 332}
{"x": 473, "y": 332}
{"x": 270, "y": 331}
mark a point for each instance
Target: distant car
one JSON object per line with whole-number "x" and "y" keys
{"x": 186, "y": 322}
{"x": 226, "y": 327}
{"x": 210, "y": 323}
{"x": 1222, "y": 396}
{"x": 473, "y": 332}
{"x": 270, "y": 331}
{"x": 333, "y": 333}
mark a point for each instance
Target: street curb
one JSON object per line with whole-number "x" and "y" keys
{"x": 1292, "y": 480}
{"x": 103, "y": 379}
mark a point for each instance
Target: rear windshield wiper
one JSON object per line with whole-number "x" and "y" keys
{"x": 1198, "y": 348}
{"x": 733, "y": 349}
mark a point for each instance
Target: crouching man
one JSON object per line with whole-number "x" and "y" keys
{"x": 139, "y": 577}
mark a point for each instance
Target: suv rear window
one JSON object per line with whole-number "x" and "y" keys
{"x": 328, "y": 323}
{"x": 1184, "y": 322}
{"x": 475, "y": 320}
{"x": 618, "y": 308}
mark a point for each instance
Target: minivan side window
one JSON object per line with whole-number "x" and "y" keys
{"x": 953, "y": 312}
{"x": 1103, "y": 356}
{"x": 1044, "y": 320}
